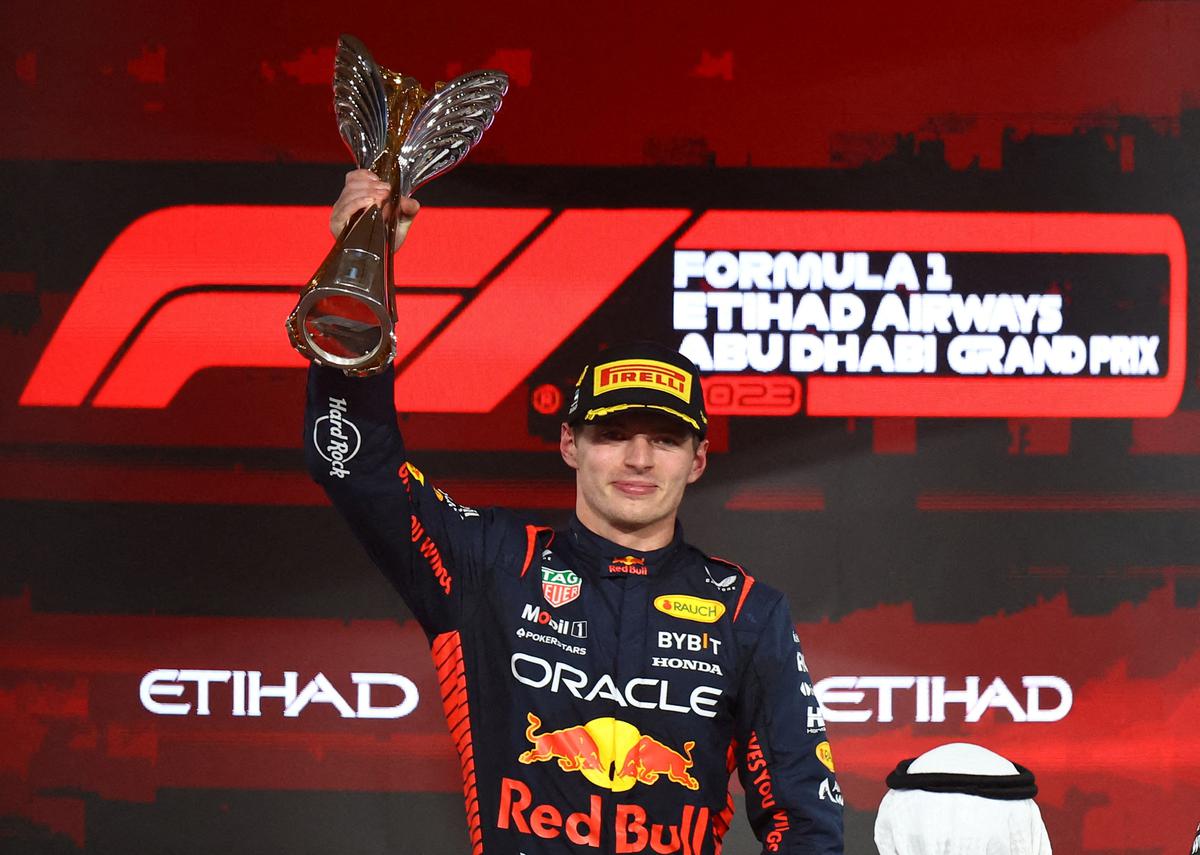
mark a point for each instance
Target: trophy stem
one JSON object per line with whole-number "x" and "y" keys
{"x": 345, "y": 316}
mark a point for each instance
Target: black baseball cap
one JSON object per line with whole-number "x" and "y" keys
{"x": 641, "y": 375}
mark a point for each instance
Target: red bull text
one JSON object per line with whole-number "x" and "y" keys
{"x": 630, "y": 564}
{"x": 633, "y": 831}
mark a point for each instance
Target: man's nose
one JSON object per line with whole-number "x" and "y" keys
{"x": 639, "y": 453}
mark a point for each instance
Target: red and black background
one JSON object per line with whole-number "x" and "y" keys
{"x": 167, "y": 172}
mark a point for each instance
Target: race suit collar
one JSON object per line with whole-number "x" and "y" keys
{"x": 605, "y": 558}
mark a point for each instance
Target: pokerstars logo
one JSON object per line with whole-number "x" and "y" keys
{"x": 197, "y": 690}
{"x": 336, "y": 438}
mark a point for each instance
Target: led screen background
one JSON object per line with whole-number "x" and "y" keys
{"x": 156, "y": 514}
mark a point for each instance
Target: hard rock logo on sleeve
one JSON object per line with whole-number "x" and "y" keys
{"x": 336, "y": 438}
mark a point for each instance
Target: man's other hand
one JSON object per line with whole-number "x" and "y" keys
{"x": 363, "y": 189}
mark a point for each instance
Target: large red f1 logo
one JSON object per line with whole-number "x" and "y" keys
{"x": 188, "y": 288}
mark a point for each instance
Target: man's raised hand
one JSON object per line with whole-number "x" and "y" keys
{"x": 364, "y": 188}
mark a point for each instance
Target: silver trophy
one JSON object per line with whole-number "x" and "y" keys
{"x": 346, "y": 316}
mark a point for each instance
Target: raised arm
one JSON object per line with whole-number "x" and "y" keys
{"x": 431, "y": 549}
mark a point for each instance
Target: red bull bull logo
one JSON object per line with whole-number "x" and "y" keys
{"x": 605, "y": 744}
{"x": 630, "y": 564}
{"x": 573, "y": 747}
{"x": 649, "y": 758}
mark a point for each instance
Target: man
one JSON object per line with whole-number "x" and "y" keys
{"x": 600, "y": 682}
{"x": 960, "y": 798}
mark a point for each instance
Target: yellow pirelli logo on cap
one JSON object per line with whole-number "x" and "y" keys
{"x": 643, "y": 374}
{"x": 690, "y": 608}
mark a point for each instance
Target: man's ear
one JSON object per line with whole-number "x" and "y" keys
{"x": 699, "y": 462}
{"x": 567, "y": 447}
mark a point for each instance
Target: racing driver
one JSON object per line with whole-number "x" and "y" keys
{"x": 600, "y": 682}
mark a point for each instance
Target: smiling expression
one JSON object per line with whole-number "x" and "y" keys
{"x": 631, "y": 469}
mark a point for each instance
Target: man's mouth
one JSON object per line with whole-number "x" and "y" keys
{"x": 635, "y": 488}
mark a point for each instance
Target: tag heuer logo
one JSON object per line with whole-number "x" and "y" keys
{"x": 560, "y": 587}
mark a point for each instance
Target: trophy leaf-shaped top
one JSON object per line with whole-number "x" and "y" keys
{"x": 359, "y": 101}
{"x": 448, "y": 125}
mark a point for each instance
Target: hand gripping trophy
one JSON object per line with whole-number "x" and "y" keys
{"x": 346, "y": 316}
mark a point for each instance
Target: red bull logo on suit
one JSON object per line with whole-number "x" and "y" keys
{"x": 630, "y": 564}
{"x": 633, "y": 831}
{"x": 608, "y": 743}
{"x": 616, "y": 756}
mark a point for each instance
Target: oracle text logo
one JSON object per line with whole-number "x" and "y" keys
{"x": 640, "y": 692}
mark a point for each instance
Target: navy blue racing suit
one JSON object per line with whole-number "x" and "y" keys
{"x": 599, "y": 697}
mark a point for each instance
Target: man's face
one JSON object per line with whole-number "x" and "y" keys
{"x": 631, "y": 469}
